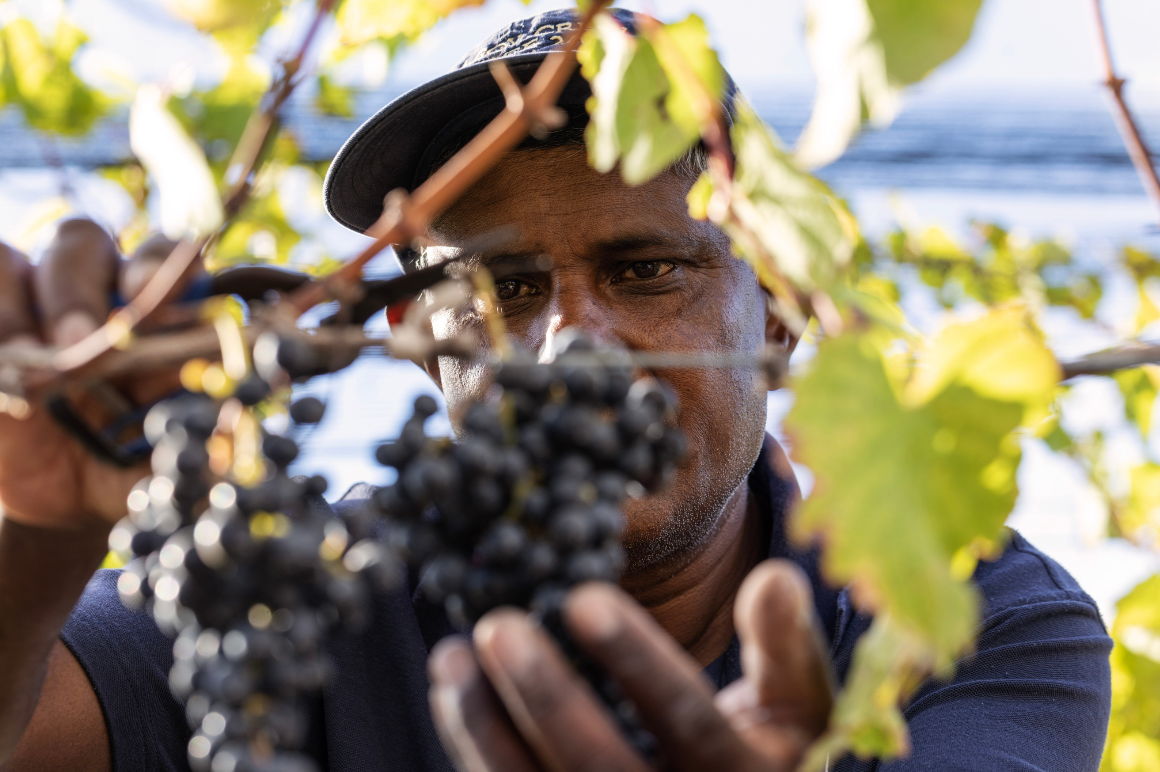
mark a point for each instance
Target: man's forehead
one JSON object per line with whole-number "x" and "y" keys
{"x": 625, "y": 240}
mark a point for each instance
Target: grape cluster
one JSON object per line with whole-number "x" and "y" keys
{"x": 528, "y": 503}
{"x": 250, "y": 581}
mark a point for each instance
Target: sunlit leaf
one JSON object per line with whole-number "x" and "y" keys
{"x": 999, "y": 356}
{"x": 360, "y": 21}
{"x": 914, "y": 478}
{"x": 1141, "y": 515}
{"x": 212, "y": 15}
{"x": 1132, "y": 744}
{"x": 864, "y": 53}
{"x": 218, "y": 116}
{"x": 650, "y": 101}
{"x": 262, "y": 234}
{"x": 782, "y": 220}
{"x": 696, "y": 77}
{"x": 866, "y": 719}
{"x": 190, "y": 203}
{"x": 39, "y": 79}
{"x": 1139, "y": 387}
{"x": 332, "y": 99}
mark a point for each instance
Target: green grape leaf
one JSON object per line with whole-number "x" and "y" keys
{"x": 915, "y": 476}
{"x": 1000, "y": 356}
{"x": 333, "y": 99}
{"x": 218, "y": 116}
{"x": 1139, "y": 387}
{"x": 1141, "y": 513}
{"x": 215, "y": 15}
{"x": 864, "y": 53}
{"x": 866, "y": 719}
{"x": 262, "y": 233}
{"x": 1057, "y": 437}
{"x": 1134, "y": 729}
{"x": 650, "y": 95}
{"x": 360, "y": 21}
{"x": 38, "y": 78}
{"x": 783, "y": 221}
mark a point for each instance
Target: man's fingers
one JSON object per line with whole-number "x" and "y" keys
{"x": 665, "y": 683}
{"x": 474, "y": 726}
{"x": 782, "y": 653}
{"x": 556, "y": 712}
{"x": 17, "y": 319}
{"x": 143, "y": 263}
{"x": 74, "y": 279}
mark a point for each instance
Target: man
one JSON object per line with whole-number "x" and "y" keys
{"x": 725, "y": 636}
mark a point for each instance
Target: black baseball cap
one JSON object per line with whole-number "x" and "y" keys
{"x": 402, "y": 144}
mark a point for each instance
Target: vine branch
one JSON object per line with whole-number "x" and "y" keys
{"x": 171, "y": 275}
{"x": 1113, "y": 359}
{"x": 1129, "y": 128}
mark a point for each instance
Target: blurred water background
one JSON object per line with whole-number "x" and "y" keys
{"x": 1016, "y": 130}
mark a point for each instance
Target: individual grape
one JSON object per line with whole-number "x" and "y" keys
{"x": 308, "y": 410}
{"x": 281, "y": 450}
{"x": 252, "y": 390}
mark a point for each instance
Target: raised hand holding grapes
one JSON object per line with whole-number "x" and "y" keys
{"x": 513, "y": 703}
{"x": 46, "y": 478}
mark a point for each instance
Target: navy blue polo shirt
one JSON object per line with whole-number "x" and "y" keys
{"x": 1035, "y": 695}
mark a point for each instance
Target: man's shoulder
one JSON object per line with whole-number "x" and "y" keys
{"x": 1023, "y": 576}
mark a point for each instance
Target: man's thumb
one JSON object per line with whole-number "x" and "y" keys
{"x": 782, "y": 653}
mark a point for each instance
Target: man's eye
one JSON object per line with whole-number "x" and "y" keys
{"x": 510, "y": 289}
{"x": 647, "y": 269}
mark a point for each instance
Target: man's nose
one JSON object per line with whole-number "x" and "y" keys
{"x": 574, "y": 305}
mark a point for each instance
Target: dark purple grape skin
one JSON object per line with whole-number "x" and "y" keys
{"x": 308, "y": 410}
{"x": 528, "y": 504}
{"x": 243, "y": 584}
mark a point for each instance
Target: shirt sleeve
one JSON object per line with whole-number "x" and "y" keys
{"x": 127, "y": 660}
{"x": 1035, "y": 695}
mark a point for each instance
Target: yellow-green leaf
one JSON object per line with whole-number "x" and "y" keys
{"x": 652, "y": 95}
{"x": 1132, "y": 744}
{"x": 785, "y": 221}
{"x": 864, "y": 52}
{"x": 360, "y": 21}
{"x": 1000, "y": 356}
{"x": 915, "y": 474}
{"x": 900, "y": 489}
{"x": 1142, "y": 510}
{"x": 38, "y": 78}
{"x": 866, "y": 718}
{"x": 1139, "y": 387}
{"x": 213, "y": 15}
{"x": 695, "y": 74}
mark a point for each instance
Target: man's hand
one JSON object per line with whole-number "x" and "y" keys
{"x": 541, "y": 715}
{"x": 46, "y": 478}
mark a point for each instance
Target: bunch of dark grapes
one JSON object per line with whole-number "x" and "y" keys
{"x": 528, "y": 503}
{"x": 250, "y": 581}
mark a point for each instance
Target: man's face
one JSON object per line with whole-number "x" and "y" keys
{"x": 634, "y": 271}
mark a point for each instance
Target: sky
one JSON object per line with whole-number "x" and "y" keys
{"x": 1018, "y": 44}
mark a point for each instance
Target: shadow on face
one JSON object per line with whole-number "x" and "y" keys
{"x": 634, "y": 271}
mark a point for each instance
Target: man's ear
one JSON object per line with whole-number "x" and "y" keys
{"x": 776, "y": 331}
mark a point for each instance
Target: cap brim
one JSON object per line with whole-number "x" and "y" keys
{"x": 386, "y": 151}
